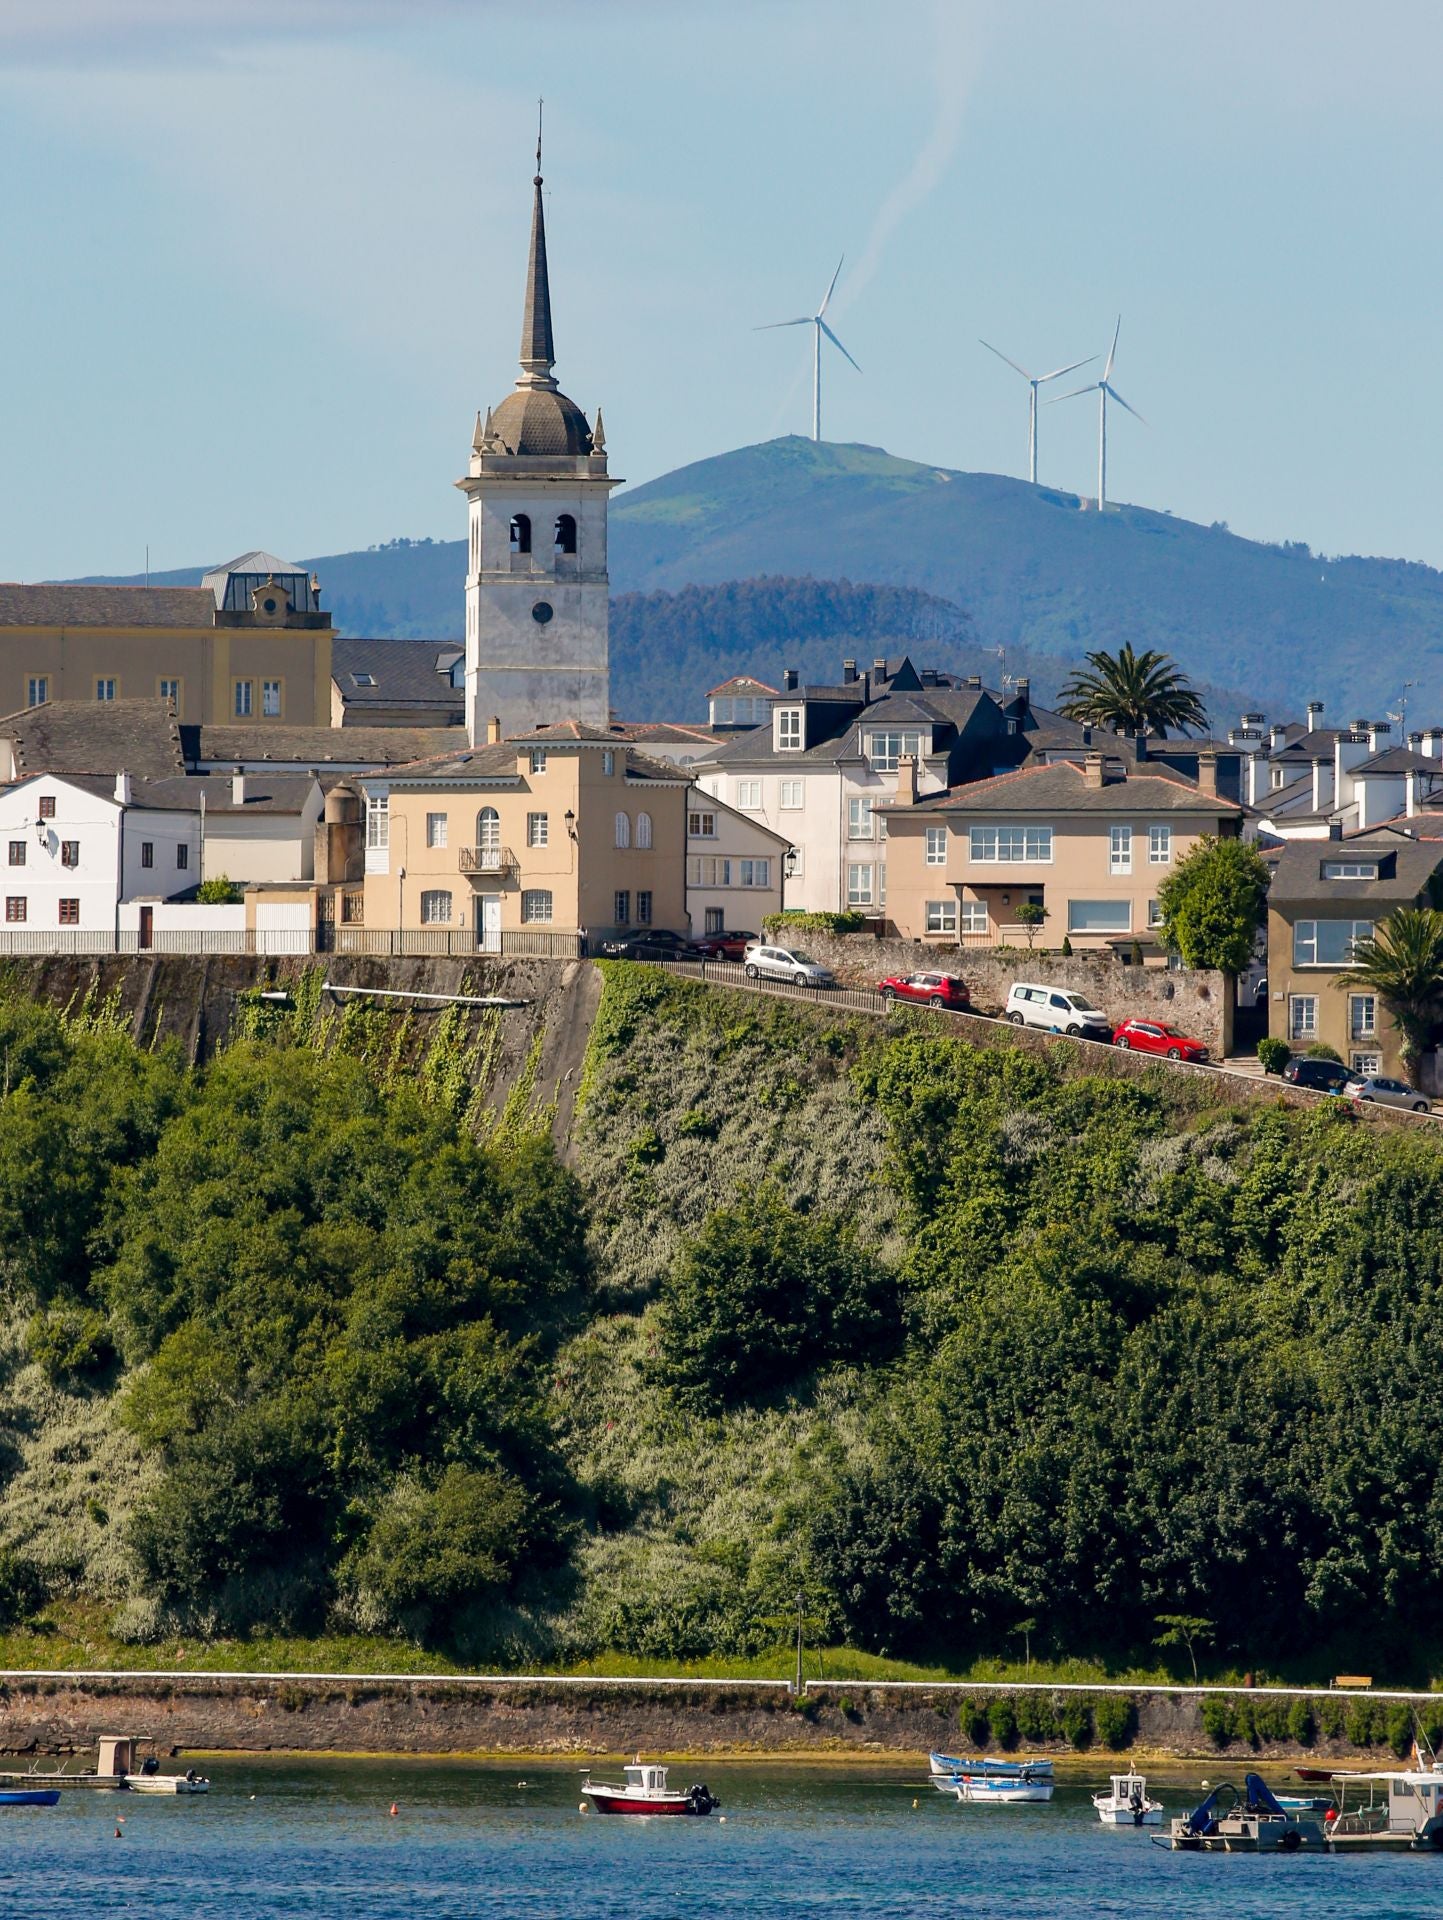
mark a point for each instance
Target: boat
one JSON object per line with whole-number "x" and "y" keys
{"x": 1252, "y": 1821}
{"x": 1001, "y": 1790}
{"x": 948, "y": 1766}
{"x": 116, "y": 1765}
{"x": 1395, "y": 1811}
{"x": 1128, "y": 1805}
{"x": 645, "y": 1792}
{"x": 30, "y": 1797}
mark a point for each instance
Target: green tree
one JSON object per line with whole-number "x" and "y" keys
{"x": 1402, "y": 964}
{"x": 1188, "y": 1630}
{"x": 218, "y": 891}
{"x": 1132, "y": 692}
{"x": 1030, "y": 916}
{"x": 1213, "y": 902}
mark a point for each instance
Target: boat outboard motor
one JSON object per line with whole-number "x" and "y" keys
{"x": 150, "y": 1764}
{"x": 1136, "y": 1803}
{"x": 701, "y": 1799}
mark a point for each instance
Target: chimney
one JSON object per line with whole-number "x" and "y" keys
{"x": 1207, "y": 774}
{"x": 1253, "y": 720}
{"x": 1277, "y": 736}
{"x": 1322, "y": 784}
{"x": 1315, "y": 715}
{"x": 1335, "y": 829}
{"x": 849, "y": 673}
{"x": 1092, "y": 770}
{"x": 789, "y": 679}
{"x": 493, "y": 730}
{"x": 1139, "y": 746}
{"x": 1415, "y": 743}
{"x": 1433, "y": 743}
{"x": 1087, "y": 736}
{"x": 1349, "y": 750}
{"x": 1378, "y": 731}
{"x": 1024, "y": 693}
{"x": 237, "y": 787}
{"x": 123, "y": 789}
{"x": 974, "y": 679}
{"x": 907, "y": 779}
{"x": 1412, "y": 791}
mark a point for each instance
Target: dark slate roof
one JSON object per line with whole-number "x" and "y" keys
{"x": 538, "y": 420}
{"x": 1062, "y": 788}
{"x": 81, "y": 604}
{"x": 1406, "y": 863}
{"x": 498, "y": 762}
{"x": 318, "y": 747}
{"x": 936, "y": 707}
{"x": 285, "y": 793}
{"x": 404, "y": 671}
{"x": 1399, "y": 760}
{"x": 154, "y": 796}
{"x": 1317, "y": 745}
{"x": 94, "y": 736}
{"x": 676, "y": 733}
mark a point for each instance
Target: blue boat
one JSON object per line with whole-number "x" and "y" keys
{"x": 30, "y": 1797}
{"x": 947, "y": 1766}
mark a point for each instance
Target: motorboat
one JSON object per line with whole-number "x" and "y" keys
{"x": 949, "y": 1766}
{"x": 1127, "y": 1805}
{"x": 30, "y": 1797}
{"x": 644, "y": 1791}
{"x": 1001, "y": 1790}
{"x": 1252, "y": 1821}
{"x": 118, "y": 1764}
{"x": 1394, "y": 1811}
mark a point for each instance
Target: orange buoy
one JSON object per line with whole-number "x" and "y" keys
{"x": 394, "y": 1809}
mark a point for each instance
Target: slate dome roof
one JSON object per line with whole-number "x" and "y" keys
{"x": 540, "y": 420}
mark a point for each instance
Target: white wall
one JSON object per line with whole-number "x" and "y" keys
{"x": 738, "y": 837}
{"x": 97, "y": 827}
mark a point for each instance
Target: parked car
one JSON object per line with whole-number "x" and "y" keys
{"x": 1373, "y": 1088}
{"x": 647, "y": 943}
{"x": 786, "y": 963}
{"x": 928, "y": 990}
{"x": 1057, "y": 1009}
{"x": 1323, "y": 1076}
{"x": 726, "y": 946}
{"x": 1151, "y": 1036}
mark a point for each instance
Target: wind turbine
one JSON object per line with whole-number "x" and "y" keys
{"x": 818, "y": 322}
{"x": 1105, "y": 391}
{"x": 1034, "y": 381}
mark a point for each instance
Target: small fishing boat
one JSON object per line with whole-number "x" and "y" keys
{"x": 947, "y": 1766}
{"x": 1002, "y": 1790}
{"x": 1252, "y": 1821}
{"x": 117, "y": 1764}
{"x": 1128, "y": 1805}
{"x": 30, "y": 1797}
{"x": 1397, "y": 1811}
{"x": 645, "y": 1792}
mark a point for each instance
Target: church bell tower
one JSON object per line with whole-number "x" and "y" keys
{"x": 537, "y": 588}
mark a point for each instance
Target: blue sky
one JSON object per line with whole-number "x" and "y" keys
{"x": 263, "y": 258}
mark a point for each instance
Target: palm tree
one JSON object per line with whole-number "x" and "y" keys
{"x": 1134, "y": 693}
{"x": 1403, "y": 964}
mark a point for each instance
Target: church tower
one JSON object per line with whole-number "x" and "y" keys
{"x": 537, "y": 590}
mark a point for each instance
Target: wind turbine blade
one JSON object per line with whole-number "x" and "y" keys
{"x": 1057, "y": 399}
{"x": 1057, "y": 374}
{"x": 772, "y": 325}
{"x": 836, "y": 342}
{"x": 1113, "y": 394}
{"x": 1013, "y": 364}
{"x": 823, "y": 308}
{"x": 1111, "y": 352}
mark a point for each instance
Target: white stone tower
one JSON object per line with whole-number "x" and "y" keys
{"x": 537, "y": 590}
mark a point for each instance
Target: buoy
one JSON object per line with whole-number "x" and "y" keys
{"x": 914, "y": 1806}
{"x": 118, "y": 1834}
{"x": 721, "y": 1819}
{"x": 582, "y": 1807}
{"x": 394, "y": 1809}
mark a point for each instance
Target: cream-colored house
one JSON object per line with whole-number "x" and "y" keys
{"x": 734, "y": 868}
{"x": 529, "y": 845}
{"x": 1090, "y": 843}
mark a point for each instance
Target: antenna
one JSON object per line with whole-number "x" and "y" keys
{"x": 540, "y": 108}
{"x": 147, "y": 563}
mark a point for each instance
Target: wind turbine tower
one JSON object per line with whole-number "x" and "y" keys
{"x": 1034, "y": 381}
{"x": 1105, "y": 391}
{"x": 817, "y": 322}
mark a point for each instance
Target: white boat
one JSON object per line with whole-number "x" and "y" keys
{"x": 988, "y": 1790}
{"x": 644, "y": 1791}
{"x": 948, "y": 1766}
{"x": 118, "y": 1764}
{"x": 169, "y": 1783}
{"x": 1128, "y": 1805}
{"x": 1400, "y": 1811}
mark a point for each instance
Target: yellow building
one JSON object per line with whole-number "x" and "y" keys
{"x": 527, "y": 845}
{"x": 249, "y": 645}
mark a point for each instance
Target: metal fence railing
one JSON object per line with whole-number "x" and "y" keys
{"x": 534, "y": 943}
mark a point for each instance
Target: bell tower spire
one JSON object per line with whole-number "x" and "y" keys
{"x": 538, "y": 349}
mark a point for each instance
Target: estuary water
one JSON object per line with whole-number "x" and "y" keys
{"x": 315, "y": 1838}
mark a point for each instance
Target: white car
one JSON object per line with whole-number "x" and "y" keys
{"x": 1373, "y": 1090}
{"x": 1057, "y": 1010}
{"x": 786, "y": 963}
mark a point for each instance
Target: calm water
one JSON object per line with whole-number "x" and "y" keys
{"x": 317, "y": 1840}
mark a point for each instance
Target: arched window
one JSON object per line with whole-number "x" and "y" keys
{"x": 623, "y": 830}
{"x": 566, "y": 534}
{"x": 488, "y": 833}
{"x": 521, "y": 533}
{"x": 643, "y": 829}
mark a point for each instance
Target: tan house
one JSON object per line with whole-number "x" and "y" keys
{"x": 1327, "y": 895}
{"x": 1089, "y": 842}
{"x": 528, "y": 845}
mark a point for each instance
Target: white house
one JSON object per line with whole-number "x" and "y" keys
{"x": 734, "y": 868}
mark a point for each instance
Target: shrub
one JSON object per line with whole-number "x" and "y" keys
{"x": 69, "y": 1341}
{"x": 1302, "y": 1727}
{"x": 1333, "y": 1717}
{"x": 218, "y": 891}
{"x": 1320, "y": 1050}
{"x": 1036, "y": 1721}
{"x": 1075, "y": 1718}
{"x": 1115, "y": 1716}
{"x": 784, "y": 926}
{"x": 1273, "y": 1054}
{"x": 22, "y": 1590}
{"x": 1361, "y": 1725}
{"x": 1219, "y": 1719}
{"x": 1066, "y": 948}
{"x": 975, "y": 1723}
{"x": 1398, "y": 1724}
{"x": 436, "y": 1550}
{"x": 1003, "y": 1715}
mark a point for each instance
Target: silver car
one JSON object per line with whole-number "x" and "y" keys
{"x": 1374, "y": 1089}
{"x": 764, "y": 962}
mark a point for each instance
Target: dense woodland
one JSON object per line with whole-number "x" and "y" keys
{"x": 953, "y": 1339}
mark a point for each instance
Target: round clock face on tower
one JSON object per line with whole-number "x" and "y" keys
{"x": 541, "y": 612}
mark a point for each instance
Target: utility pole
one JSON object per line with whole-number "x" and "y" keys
{"x": 801, "y": 1598}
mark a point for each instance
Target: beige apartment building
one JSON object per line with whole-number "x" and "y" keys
{"x": 528, "y": 845}
{"x": 1090, "y": 842}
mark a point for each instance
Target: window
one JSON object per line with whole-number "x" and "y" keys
{"x": 271, "y": 699}
{"x": 1120, "y": 850}
{"x": 244, "y": 696}
{"x": 643, "y": 907}
{"x": 521, "y": 533}
{"x": 1099, "y": 916}
{"x": 70, "y": 853}
{"x": 353, "y": 909}
{"x": 182, "y": 856}
{"x": 859, "y": 886}
{"x": 1328, "y": 943}
{"x": 14, "y": 907}
{"x": 1154, "y": 913}
{"x": 1362, "y": 1016}
{"x": 1350, "y": 869}
{"x": 363, "y": 679}
{"x": 936, "y": 841}
{"x": 488, "y": 833}
{"x": 643, "y": 829}
{"x": 538, "y": 828}
{"x": 1001, "y": 844}
{"x": 1303, "y": 1016}
{"x": 608, "y": 763}
{"x": 17, "y": 853}
{"x": 435, "y": 829}
{"x": 147, "y": 852}
{"x": 623, "y": 830}
{"x": 538, "y": 759}
{"x": 37, "y": 690}
{"x": 749, "y": 793}
{"x": 1159, "y": 846}
{"x": 1370, "y": 1063}
{"x": 974, "y": 916}
{"x": 378, "y": 820}
{"x": 47, "y": 806}
{"x": 621, "y": 906}
{"x": 715, "y": 920}
{"x": 701, "y": 826}
{"x": 789, "y": 729}
{"x": 859, "y": 817}
{"x": 791, "y": 792}
{"x": 435, "y": 908}
{"x": 565, "y": 537}
{"x": 941, "y": 916}
{"x": 105, "y": 689}
{"x": 884, "y": 750}
{"x": 70, "y": 913}
{"x": 754, "y": 873}
{"x": 169, "y": 690}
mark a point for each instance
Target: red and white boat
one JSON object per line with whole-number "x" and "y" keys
{"x": 645, "y": 1791}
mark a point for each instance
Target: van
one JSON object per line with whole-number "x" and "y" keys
{"x": 1057, "y": 1010}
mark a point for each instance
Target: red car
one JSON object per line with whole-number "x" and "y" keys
{"x": 928, "y": 990}
{"x": 1151, "y": 1036}
{"x": 724, "y": 946}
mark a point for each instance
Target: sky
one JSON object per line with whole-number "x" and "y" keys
{"x": 262, "y": 259}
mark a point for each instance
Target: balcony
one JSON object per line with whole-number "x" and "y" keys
{"x": 487, "y": 863}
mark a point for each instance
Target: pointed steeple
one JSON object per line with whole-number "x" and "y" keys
{"x": 538, "y": 351}
{"x": 598, "y": 435}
